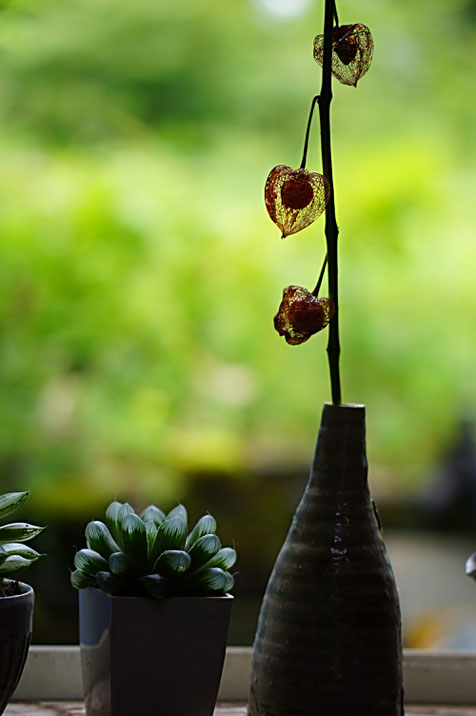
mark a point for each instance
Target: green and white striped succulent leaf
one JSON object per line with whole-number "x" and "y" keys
{"x": 10, "y": 501}
{"x": 225, "y": 558}
{"x": 212, "y": 579}
{"x": 90, "y": 562}
{"x": 206, "y": 525}
{"x": 151, "y": 531}
{"x": 124, "y": 512}
{"x": 22, "y": 550}
{"x": 178, "y": 511}
{"x": 134, "y": 537}
{"x": 112, "y": 521}
{"x": 122, "y": 565}
{"x": 3, "y": 555}
{"x": 172, "y": 562}
{"x": 204, "y": 549}
{"x": 175, "y": 528}
{"x": 153, "y": 514}
{"x": 99, "y": 538}
{"x": 170, "y": 535}
{"x": 18, "y": 532}
{"x": 160, "y": 543}
{"x": 81, "y": 580}
{"x": 156, "y": 585}
{"x": 229, "y": 582}
{"x": 14, "y": 564}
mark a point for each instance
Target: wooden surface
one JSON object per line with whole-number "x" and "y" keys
{"x": 61, "y": 708}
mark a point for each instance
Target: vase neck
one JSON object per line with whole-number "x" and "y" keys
{"x": 340, "y": 458}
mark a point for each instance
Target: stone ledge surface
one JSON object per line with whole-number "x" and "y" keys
{"x": 76, "y": 708}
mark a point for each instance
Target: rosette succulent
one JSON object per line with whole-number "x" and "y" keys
{"x": 153, "y": 555}
{"x": 15, "y": 555}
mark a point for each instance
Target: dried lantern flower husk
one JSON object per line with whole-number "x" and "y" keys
{"x": 301, "y": 314}
{"x": 295, "y": 197}
{"x": 352, "y": 49}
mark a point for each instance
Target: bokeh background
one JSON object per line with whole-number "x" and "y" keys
{"x": 139, "y": 275}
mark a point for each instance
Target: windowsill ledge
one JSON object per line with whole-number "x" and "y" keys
{"x": 77, "y": 709}
{"x": 52, "y": 673}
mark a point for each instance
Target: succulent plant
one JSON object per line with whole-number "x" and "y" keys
{"x": 153, "y": 555}
{"x": 15, "y": 556}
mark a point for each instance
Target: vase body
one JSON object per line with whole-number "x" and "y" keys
{"x": 141, "y": 657}
{"x": 329, "y": 633}
{"x": 16, "y": 622}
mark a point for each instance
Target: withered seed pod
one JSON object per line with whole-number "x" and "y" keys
{"x": 352, "y": 48}
{"x": 301, "y": 314}
{"x": 295, "y": 197}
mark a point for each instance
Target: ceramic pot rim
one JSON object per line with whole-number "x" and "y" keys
{"x": 27, "y": 589}
{"x": 169, "y": 599}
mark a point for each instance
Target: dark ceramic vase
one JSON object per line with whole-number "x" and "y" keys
{"x": 328, "y": 640}
{"x": 142, "y": 657}
{"x": 16, "y": 623}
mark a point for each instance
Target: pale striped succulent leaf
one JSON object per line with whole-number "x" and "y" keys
{"x": 151, "y": 531}
{"x": 124, "y": 512}
{"x": 3, "y": 554}
{"x": 122, "y": 565}
{"x": 153, "y": 514}
{"x": 18, "y": 532}
{"x": 99, "y": 538}
{"x": 172, "y": 562}
{"x": 112, "y": 521}
{"x": 134, "y": 537}
{"x": 212, "y": 579}
{"x": 204, "y": 549}
{"x": 229, "y": 582}
{"x": 161, "y": 542}
{"x": 178, "y": 511}
{"x": 170, "y": 535}
{"x": 90, "y": 562}
{"x": 22, "y": 550}
{"x": 14, "y": 564}
{"x": 206, "y": 525}
{"x": 81, "y": 580}
{"x": 10, "y": 501}
{"x": 225, "y": 559}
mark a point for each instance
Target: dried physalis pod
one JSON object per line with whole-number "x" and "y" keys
{"x": 352, "y": 48}
{"x": 301, "y": 314}
{"x": 295, "y": 197}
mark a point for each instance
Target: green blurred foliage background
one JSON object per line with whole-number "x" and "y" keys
{"x": 140, "y": 273}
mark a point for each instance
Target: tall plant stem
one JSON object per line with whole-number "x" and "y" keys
{"x": 336, "y": 16}
{"x": 319, "y": 280}
{"x": 332, "y": 231}
{"x": 308, "y": 131}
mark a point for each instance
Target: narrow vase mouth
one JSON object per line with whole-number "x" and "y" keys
{"x": 345, "y": 416}
{"x": 352, "y": 406}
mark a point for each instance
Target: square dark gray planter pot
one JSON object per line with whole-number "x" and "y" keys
{"x": 141, "y": 656}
